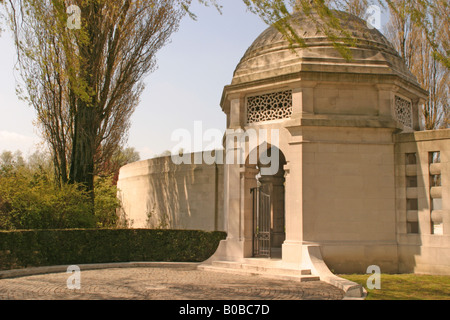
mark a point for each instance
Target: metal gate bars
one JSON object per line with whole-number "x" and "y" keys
{"x": 261, "y": 223}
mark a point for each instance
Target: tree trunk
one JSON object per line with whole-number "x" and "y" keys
{"x": 83, "y": 149}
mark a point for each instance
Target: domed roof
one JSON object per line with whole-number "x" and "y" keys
{"x": 271, "y": 55}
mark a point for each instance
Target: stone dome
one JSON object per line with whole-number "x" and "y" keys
{"x": 271, "y": 55}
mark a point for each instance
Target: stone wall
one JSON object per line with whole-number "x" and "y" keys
{"x": 367, "y": 196}
{"x": 157, "y": 193}
{"x": 373, "y": 198}
{"x": 349, "y": 197}
{"x": 422, "y": 174}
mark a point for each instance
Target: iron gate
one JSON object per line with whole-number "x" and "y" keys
{"x": 261, "y": 223}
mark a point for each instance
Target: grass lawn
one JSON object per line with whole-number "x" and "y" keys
{"x": 405, "y": 286}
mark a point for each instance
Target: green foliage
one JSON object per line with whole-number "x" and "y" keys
{"x": 85, "y": 83}
{"x": 30, "y": 198}
{"x": 31, "y": 201}
{"x": 32, "y": 248}
{"x": 106, "y": 202}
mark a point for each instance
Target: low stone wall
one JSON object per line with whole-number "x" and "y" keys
{"x": 422, "y": 174}
{"x": 158, "y": 193}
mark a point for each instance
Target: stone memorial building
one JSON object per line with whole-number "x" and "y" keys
{"x": 357, "y": 183}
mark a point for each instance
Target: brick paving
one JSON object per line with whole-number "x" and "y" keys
{"x": 162, "y": 283}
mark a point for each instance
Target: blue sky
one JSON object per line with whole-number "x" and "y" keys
{"x": 192, "y": 71}
{"x": 186, "y": 87}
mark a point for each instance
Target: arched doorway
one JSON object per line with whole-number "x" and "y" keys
{"x": 268, "y": 209}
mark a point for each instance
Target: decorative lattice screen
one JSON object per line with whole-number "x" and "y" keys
{"x": 403, "y": 111}
{"x": 271, "y": 106}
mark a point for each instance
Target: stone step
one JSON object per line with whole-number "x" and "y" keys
{"x": 276, "y": 268}
{"x": 259, "y": 265}
{"x": 303, "y": 272}
{"x": 266, "y": 271}
{"x": 264, "y": 262}
{"x": 227, "y": 264}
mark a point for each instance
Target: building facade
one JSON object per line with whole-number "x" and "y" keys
{"x": 355, "y": 180}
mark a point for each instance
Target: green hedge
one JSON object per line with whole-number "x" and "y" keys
{"x": 32, "y": 248}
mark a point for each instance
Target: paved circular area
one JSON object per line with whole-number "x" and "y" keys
{"x": 163, "y": 283}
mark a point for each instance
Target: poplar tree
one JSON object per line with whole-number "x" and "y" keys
{"x": 83, "y": 63}
{"x": 412, "y": 43}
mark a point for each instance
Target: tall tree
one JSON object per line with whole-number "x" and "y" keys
{"x": 83, "y": 63}
{"x": 412, "y": 43}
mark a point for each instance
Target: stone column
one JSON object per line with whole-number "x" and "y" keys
{"x": 417, "y": 114}
{"x": 424, "y": 198}
{"x": 237, "y": 112}
{"x": 445, "y": 182}
{"x": 232, "y": 200}
{"x": 232, "y": 193}
{"x": 386, "y": 95}
{"x": 248, "y": 181}
{"x": 292, "y": 246}
{"x": 303, "y": 100}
